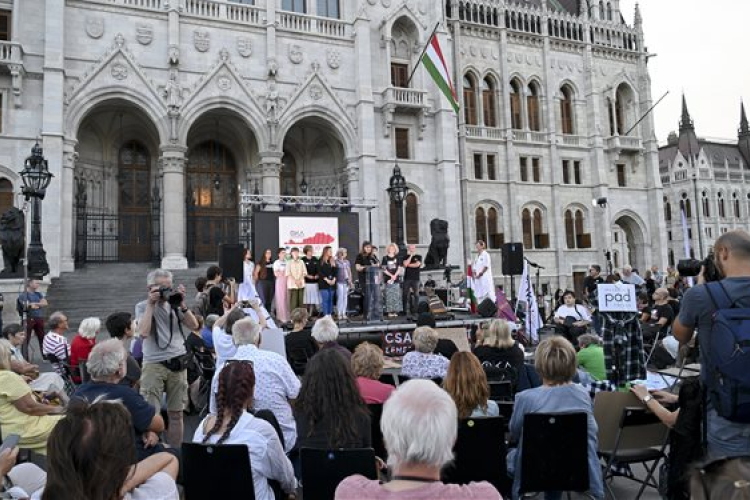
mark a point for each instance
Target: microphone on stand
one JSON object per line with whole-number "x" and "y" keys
{"x": 533, "y": 264}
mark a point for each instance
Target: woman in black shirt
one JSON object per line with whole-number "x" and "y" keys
{"x": 327, "y": 280}
{"x": 312, "y": 292}
{"x": 501, "y": 356}
{"x": 365, "y": 259}
{"x": 265, "y": 280}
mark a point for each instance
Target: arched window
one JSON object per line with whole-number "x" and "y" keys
{"x": 6, "y": 195}
{"x": 685, "y": 207}
{"x": 609, "y": 12}
{"x": 480, "y": 221}
{"x": 566, "y": 110}
{"x": 601, "y": 16}
{"x": 494, "y": 236}
{"x": 706, "y": 205}
{"x": 722, "y": 207}
{"x": 489, "y": 105}
{"x": 516, "y": 120}
{"x": 532, "y": 106}
{"x": 611, "y": 115}
{"x": 575, "y": 234}
{"x": 470, "y": 100}
{"x": 623, "y": 96}
{"x": 533, "y": 229}
{"x": 667, "y": 211}
{"x": 411, "y": 219}
{"x": 736, "y": 204}
{"x": 583, "y": 240}
{"x": 569, "y": 230}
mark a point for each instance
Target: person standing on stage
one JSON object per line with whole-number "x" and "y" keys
{"x": 247, "y": 290}
{"x": 265, "y": 278}
{"x": 484, "y": 284}
{"x": 282, "y": 300}
{"x": 312, "y": 290}
{"x": 392, "y": 269}
{"x": 365, "y": 259}
{"x": 327, "y": 277}
{"x": 412, "y": 265}
{"x": 343, "y": 283}
{"x": 295, "y": 280}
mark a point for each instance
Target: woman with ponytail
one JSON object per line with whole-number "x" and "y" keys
{"x": 233, "y": 424}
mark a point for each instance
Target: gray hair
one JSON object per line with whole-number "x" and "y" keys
{"x": 55, "y": 320}
{"x": 425, "y": 339}
{"x": 89, "y": 327}
{"x": 245, "y": 332}
{"x": 341, "y": 251}
{"x": 588, "y": 339}
{"x": 210, "y": 320}
{"x": 154, "y": 275}
{"x": 325, "y": 330}
{"x": 105, "y": 359}
{"x": 419, "y": 425}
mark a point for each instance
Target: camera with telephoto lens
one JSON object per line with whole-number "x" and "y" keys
{"x": 692, "y": 267}
{"x": 172, "y": 296}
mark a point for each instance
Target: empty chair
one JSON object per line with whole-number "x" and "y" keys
{"x": 323, "y": 470}
{"x": 479, "y": 454}
{"x": 554, "y": 455}
{"x": 216, "y": 471}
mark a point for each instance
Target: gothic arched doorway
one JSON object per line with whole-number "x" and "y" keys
{"x": 134, "y": 205}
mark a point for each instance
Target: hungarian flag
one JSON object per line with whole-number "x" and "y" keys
{"x": 435, "y": 63}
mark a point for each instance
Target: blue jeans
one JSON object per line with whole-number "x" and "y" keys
{"x": 326, "y": 295}
{"x": 727, "y": 438}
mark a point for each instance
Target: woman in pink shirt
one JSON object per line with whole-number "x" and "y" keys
{"x": 367, "y": 363}
{"x": 419, "y": 428}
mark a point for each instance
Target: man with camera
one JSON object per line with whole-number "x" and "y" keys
{"x": 723, "y": 291}
{"x": 163, "y": 318}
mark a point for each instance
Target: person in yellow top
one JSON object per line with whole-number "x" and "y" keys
{"x": 295, "y": 280}
{"x": 20, "y": 413}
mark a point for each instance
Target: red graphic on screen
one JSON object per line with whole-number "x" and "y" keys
{"x": 316, "y": 239}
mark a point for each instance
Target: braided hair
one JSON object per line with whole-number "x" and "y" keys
{"x": 236, "y": 388}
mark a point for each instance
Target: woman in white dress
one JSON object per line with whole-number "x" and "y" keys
{"x": 484, "y": 285}
{"x": 247, "y": 289}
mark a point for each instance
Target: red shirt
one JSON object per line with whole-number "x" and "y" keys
{"x": 374, "y": 391}
{"x": 80, "y": 349}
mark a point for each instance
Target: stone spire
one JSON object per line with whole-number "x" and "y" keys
{"x": 637, "y": 19}
{"x": 688, "y": 144}
{"x": 744, "y": 136}
{"x": 744, "y": 128}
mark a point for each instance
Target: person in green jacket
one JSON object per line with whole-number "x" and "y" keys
{"x": 591, "y": 356}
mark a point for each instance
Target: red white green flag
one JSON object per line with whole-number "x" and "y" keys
{"x": 435, "y": 63}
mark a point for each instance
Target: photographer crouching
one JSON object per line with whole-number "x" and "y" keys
{"x": 161, "y": 319}
{"x": 719, "y": 308}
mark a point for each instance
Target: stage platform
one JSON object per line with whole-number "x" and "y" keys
{"x": 356, "y": 325}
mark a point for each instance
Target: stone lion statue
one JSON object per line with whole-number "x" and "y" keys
{"x": 438, "y": 252}
{"x": 12, "y": 239}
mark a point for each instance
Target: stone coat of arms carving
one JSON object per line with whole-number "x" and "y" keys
{"x": 201, "y": 40}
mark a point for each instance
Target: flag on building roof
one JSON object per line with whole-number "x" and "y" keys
{"x": 435, "y": 63}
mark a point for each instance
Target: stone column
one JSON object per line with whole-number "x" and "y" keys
{"x": 270, "y": 168}
{"x": 352, "y": 179}
{"x": 173, "y": 233}
{"x": 67, "y": 224}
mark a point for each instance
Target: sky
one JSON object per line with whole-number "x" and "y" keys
{"x": 702, "y": 49}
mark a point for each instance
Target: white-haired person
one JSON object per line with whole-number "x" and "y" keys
{"x": 82, "y": 343}
{"x": 107, "y": 366}
{"x": 422, "y": 362}
{"x": 419, "y": 430}
{"x": 325, "y": 332}
{"x": 343, "y": 282}
{"x": 276, "y": 384}
{"x": 555, "y": 361}
{"x": 500, "y": 355}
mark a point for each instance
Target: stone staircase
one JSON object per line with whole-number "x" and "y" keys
{"x": 101, "y": 289}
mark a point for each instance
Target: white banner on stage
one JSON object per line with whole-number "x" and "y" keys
{"x": 526, "y": 294}
{"x": 319, "y": 232}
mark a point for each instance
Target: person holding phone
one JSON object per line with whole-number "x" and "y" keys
{"x": 21, "y": 480}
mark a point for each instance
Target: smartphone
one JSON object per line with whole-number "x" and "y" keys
{"x": 10, "y": 442}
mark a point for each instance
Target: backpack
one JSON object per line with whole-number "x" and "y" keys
{"x": 726, "y": 357}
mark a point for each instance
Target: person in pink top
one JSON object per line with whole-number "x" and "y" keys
{"x": 367, "y": 363}
{"x": 419, "y": 429}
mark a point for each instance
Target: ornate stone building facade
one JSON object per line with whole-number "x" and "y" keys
{"x": 708, "y": 181}
{"x": 152, "y": 110}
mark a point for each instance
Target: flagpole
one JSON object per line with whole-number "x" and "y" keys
{"x": 414, "y": 69}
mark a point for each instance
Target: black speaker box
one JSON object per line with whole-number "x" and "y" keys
{"x": 512, "y": 259}
{"x": 230, "y": 261}
{"x": 487, "y": 308}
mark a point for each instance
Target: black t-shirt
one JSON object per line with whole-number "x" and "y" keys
{"x": 311, "y": 264}
{"x": 300, "y": 346}
{"x": 364, "y": 260}
{"x": 391, "y": 264}
{"x": 446, "y": 348}
{"x": 326, "y": 270}
{"x": 412, "y": 273}
{"x": 501, "y": 364}
{"x": 589, "y": 285}
{"x": 133, "y": 374}
{"x": 663, "y": 311}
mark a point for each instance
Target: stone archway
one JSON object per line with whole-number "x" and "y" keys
{"x": 632, "y": 251}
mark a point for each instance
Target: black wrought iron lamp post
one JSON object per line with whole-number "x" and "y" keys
{"x": 36, "y": 178}
{"x": 397, "y": 191}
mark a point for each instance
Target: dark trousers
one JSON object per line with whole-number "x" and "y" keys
{"x": 410, "y": 304}
{"x": 35, "y": 325}
{"x": 296, "y": 298}
{"x": 266, "y": 289}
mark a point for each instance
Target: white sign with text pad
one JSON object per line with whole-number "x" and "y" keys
{"x": 617, "y": 298}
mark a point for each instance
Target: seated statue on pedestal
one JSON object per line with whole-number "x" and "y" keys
{"x": 437, "y": 255}
{"x": 12, "y": 240}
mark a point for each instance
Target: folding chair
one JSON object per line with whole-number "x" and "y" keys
{"x": 216, "y": 471}
{"x": 629, "y": 434}
{"x": 554, "y": 454}
{"x": 387, "y": 378}
{"x": 479, "y": 453}
{"x": 85, "y": 377}
{"x": 323, "y": 470}
{"x": 654, "y": 345}
{"x": 62, "y": 368}
{"x": 400, "y": 379}
{"x": 501, "y": 390}
{"x": 376, "y": 413}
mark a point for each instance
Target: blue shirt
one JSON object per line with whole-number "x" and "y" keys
{"x": 141, "y": 412}
{"x": 208, "y": 337}
{"x": 31, "y": 298}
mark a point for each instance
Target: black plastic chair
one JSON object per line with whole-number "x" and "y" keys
{"x": 400, "y": 379}
{"x": 501, "y": 390}
{"x": 216, "y": 471}
{"x": 323, "y": 470}
{"x": 376, "y": 413}
{"x": 480, "y": 452}
{"x": 554, "y": 454}
{"x": 85, "y": 377}
{"x": 387, "y": 378}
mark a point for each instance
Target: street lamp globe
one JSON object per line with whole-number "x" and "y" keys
{"x": 35, "y": 174}
{"x": 397, "y": 189}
